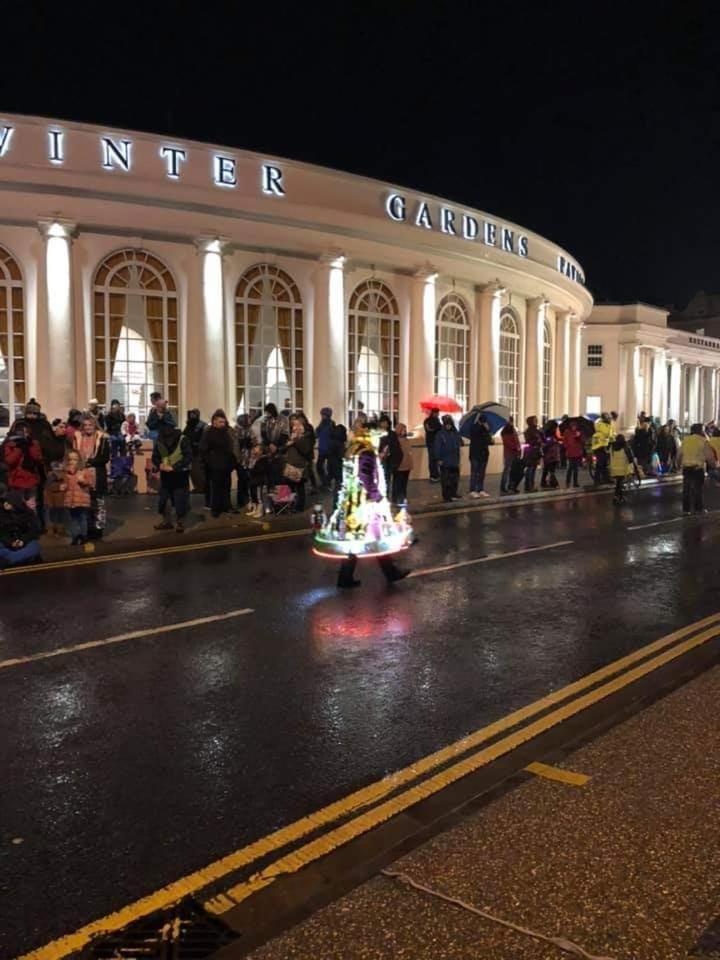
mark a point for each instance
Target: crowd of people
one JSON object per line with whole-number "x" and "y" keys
{"x": 55, "y": 476}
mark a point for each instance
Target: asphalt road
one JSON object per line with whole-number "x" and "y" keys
{"x": 127, "y": 766}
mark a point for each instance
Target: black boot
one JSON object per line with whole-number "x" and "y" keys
{"x": 346, "y": 576}
{"x": 392, "y": 572}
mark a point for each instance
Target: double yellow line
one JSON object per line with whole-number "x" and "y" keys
{"x": 360, "y": 812}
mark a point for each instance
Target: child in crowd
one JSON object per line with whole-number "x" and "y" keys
{"x": 130, "y": 427}
{"x": 122, "y": 478}
{"x": 622, "y": 463}
{"x": 55, "y": 499}
{"x": 19, "y": 530}
{"x": 259, "y": 477}
{"x": 76, "y": 486}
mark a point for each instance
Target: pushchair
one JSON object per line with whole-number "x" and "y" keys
{"x": 123, "y": 481}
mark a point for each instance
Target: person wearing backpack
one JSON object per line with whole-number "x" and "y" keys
{"x": 172, "y": 456}
{"x": 621, "y": 463}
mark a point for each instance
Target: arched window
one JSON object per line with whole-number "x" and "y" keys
{"x": 374, "y": 349}
{"x": 546, "y": 372}
{"x": 136, "y": 349}
{"x": 12, "y": 339}
{"x": 452, "y": 349}
{"x": 268, "y": 339}
{"x": 509, "y": 362}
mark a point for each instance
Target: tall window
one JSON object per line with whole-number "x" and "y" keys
{"x": 509, "y": 362}
{"x": 374, "y": 349}
{"x": 136, "y": 349}
{"x": 546, "y": 371}
{"x": 12, "y": 339}
{"x": 452, "y": 349}
{"x": 268, "y": 339}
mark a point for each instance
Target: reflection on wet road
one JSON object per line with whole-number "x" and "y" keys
{"x": 129, "y": 765}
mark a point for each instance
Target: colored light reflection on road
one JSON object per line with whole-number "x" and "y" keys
{"x": 341, "y": 626}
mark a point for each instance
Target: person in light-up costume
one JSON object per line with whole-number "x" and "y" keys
{"x": 362, "y": 523}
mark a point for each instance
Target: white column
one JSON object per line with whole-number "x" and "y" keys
{"x": 488, "y": 306}
{"x": 630, "y": 371}
{"x": 328, "y": 342}
{"x": 562, "y": 365}
{"x": 708, "y": 388}
{"x": 211, "y": 385}
{"x": 534, "y": 357}
{"x": 422, "y": 344}
{"x": 56, "y": 343}
{"x": 658, "y": 406}
{"x": 695, "y": 396}
{"x": 675, "y": 378}
{"x": 573, "y": 367}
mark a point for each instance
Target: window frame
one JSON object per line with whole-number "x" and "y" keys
{"x": 453, "y": 314}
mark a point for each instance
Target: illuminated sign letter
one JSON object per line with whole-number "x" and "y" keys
{"x": 470, "y": 227}
{"x": 395, "y": 207}
{"x": 5, "y": 136}
{"x": 173, "y": 157}
{"x": 272, "y": 180}
{"x": 523, "y": 246}
{"x": 447, "y": 221}
{"x": 114, "y": 155}
{"x": 225, "y": 171}
{"x": 56, "y": 146}
{"x": 423, "y": 217}
{"x": 490, "y": 234}
{"x": 507, "y": 240}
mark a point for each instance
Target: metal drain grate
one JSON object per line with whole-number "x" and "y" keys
{"x": 182, "y": 932}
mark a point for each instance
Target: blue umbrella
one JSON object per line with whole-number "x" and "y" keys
{"x": 497, "y": 415}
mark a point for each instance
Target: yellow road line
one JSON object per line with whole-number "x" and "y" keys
{"x": 557, "y": 773}
{"x": 364, "y": 797}
{"x": 122, "y": 637}
{"x": 151, "y": 552}
{"x": 338, "y": 837}
{"x": 279, "y": 535}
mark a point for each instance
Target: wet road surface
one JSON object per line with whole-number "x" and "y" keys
{"x": 130, "y": 765}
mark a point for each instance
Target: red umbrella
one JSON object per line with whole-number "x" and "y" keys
{"x": 443, "y": 404}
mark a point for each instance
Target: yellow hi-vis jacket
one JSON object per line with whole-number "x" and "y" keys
{"x": 620, "y": 464}
{"x": 695, "y": 451}
{"x": 603, "y": 436}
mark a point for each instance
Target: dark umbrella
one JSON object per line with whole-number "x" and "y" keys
{"x": 497, "y": 415}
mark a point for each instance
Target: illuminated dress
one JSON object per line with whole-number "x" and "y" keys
{"x": 362, "y": 524}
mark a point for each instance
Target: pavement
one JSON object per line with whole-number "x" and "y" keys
{"x": 625, "y": 866}
{"x": 165, "y": 711}
{"x": 131, "y": 519}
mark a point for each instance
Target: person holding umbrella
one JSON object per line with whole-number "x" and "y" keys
{"x": 432, "y": 426}
{"x": 448, "y": 443}
{"x": 480, "y": 441}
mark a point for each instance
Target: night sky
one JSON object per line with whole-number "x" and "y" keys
{"x": 596, "y": 125}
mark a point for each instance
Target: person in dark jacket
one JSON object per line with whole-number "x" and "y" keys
{"x": 19, "y": 531}
{"x": 448, "y": 444}
{"x": 298, "y": 455}
{"x": 38, "y": 427}
{"x": 390, "y": 454}
{"x": 95, "y": 411}
{"x": 193, "y": 431}
{"x": 158, "y": 413}
{"x": 216, "y": 449}
{"x": 21, "y": 457}
{"x": 532, "y": 453}
{"x": 550, "y": 455}
{"x": 114, "y": 420}
{"x": 243, "y": 446}
{"x": 323, "y": 432}
{"x": 432, "y": 426}
{"x": 172, "y": 456}
{"x": 481, "y": 440}
{"x": 336, "y": 455}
